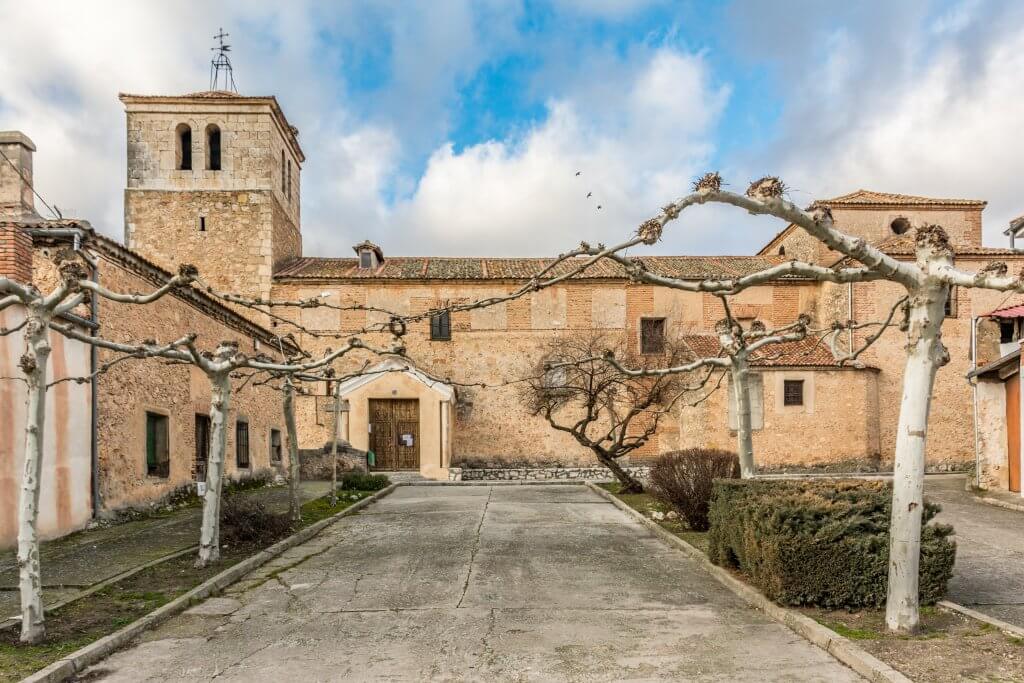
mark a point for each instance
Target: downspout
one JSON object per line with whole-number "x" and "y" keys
{"x": 974, "y": 392}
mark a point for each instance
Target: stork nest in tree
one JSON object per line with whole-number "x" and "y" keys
{"x": 757, "y": 327}
{"x": 803, "y": 320}
{"x": 933, "y": 237}
{"x": 709, "y": 182}
{"x": 768, "y": 187}
{"x": 650, "y": 231}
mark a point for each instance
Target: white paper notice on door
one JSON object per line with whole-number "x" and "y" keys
{"x": 406, "y": 440}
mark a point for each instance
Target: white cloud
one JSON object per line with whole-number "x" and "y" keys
{"x": 524, "y": 197}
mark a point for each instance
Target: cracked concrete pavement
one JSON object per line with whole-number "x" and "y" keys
{"x": 465, "y": 583}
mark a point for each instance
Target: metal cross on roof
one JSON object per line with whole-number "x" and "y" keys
{"x": 221, "y": 63}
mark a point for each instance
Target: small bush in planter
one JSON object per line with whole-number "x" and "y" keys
{"x": 683, "y": 480}
{"x": 823, "y": 543}
{"x": 358, "y": 481}
{"x": 248, "y": 521}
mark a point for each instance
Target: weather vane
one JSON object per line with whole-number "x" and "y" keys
{"x": 221, "y": 63}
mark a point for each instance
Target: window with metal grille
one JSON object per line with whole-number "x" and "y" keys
{"x": 242, "y": 444}
{"x": 275, "y": 446}
{"x": 158, "y": 452}
{"x": 652, "y": 335}
{"x": 202, "y": 445}
{"x": 441, "y": 326}
{"x": 793, "y": 392}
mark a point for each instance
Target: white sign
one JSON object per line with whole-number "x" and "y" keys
{"x": 201, "y": 489}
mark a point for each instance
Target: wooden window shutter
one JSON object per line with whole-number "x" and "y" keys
{"x": 441, "y": 326}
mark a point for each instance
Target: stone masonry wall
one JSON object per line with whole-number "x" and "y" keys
{"x": 132, "y": 388}
{"x": 541, "y": 473}
{"x": 508, "y": 341}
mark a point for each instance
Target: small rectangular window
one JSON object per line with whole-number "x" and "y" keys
{"x": 950, "y": 308}
{"x": 1007, "y": 331}
{"x": 441, "y": 326}
{"x": 158, "y": 457}
{"x": 275, "y": 446}
{"x": 793, "y": 392}
{"x": 652, "y": 335}
{"x": 242, "y": 444}
{"x": 365, "y": 259}
{"x": 202, "y": 445}
{"x": 202, "y": 224}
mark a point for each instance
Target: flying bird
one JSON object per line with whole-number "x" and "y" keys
{"x": 598, "y": 207}
{"x": 578, "y": 172}
{"x": 588, "y": 194}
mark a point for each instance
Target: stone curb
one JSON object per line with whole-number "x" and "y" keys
{"x": 96, "y": 587}
{"x": 841, "y": 648}
{"x": 75, "y": 662}
{"x": 995, "y": 502}
{"x": 1004, "y": 626}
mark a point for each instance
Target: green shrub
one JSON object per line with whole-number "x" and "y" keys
{"x": 823, "y": 543}
{"x": 683, "y": 479}
{"x": 246, "y": 520}
{"x": 359, "y": 481}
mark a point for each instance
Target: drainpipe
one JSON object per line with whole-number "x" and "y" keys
{"x": 77, "y": 235}
{"x": 974, "y": 392}
{"x": 849, "y": 313}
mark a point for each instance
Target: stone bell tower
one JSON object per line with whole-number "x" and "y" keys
{"x": 213, "y": 180}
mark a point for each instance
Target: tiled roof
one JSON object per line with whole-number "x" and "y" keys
{"x": 809, "y": 352}
{"x": 903, "y": 245}
{"x": 1008, "y": 312}
{"x": 871, "y": 198}
{"x": 450, "y": 268}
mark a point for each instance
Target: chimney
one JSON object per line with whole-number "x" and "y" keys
{"x": 16, "y": 198}
{"x": 15, "y": 252}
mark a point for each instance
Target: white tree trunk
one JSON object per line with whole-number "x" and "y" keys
{"x": 740, "y": 370}
{"x": 33, "y": 365}
{"x": 294, "y": 504}
{"x": 925, "y": 355}
{"x": 220, "y": 399}
{"x": 334, "y": 448}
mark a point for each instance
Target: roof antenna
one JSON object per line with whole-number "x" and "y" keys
{"x": 221, "y": 63}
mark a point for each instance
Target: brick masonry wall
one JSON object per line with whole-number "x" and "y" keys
{"x": 15, "y": 253}
{"x": 492, "y": 346}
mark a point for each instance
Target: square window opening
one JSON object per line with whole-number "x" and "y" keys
{"x": 793, "y": 392}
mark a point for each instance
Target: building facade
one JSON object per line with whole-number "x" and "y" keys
{"x": 213, "y": 179}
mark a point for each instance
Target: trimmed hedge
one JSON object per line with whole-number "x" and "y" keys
{"x": 823, "y": 543}
{"x": 357, "y": 481}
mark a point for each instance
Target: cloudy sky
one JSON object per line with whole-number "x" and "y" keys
{"x": 449, "y": 127}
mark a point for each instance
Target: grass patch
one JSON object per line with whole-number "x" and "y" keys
{"x": 645, "y": 504}
{"x": 79, "y": 623}
{"x": 852, "y": 633}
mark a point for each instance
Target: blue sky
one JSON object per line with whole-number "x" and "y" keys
{"x": 454, "y": 127}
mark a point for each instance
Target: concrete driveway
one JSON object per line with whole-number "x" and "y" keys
{"x": 466, "y": 583}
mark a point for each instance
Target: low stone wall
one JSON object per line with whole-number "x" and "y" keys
{"x": 316, "y": 463}
{"x": 540, "y": 473}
